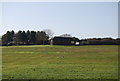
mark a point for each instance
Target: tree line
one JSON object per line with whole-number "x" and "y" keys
{"x": 25, "y": 38}
{"x": 100, "y": 41}
{"x": 43, "y": 38}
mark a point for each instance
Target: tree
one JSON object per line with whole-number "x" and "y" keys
{"x": 28, "y": 36}
{"x": 117, "y": 41}
{"x": 0, "y": 42}
{"x": 38, "y": 35}
{"x": 24, "y": 37}
{"x": 43, "y": 37}
{"x": 65, "y": 35}
{"x": 19, "y": 37}
{"x": 7, "y": 38}
{"x": 12, "y": 36}
{"x": 32, "y": 37}
{"x": 107, "y": 41}
{"x": 49, "y": 33}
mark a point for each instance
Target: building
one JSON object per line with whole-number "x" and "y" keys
{"x": 64, "y": 41}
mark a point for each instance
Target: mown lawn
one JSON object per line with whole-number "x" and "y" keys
{"x": 60, "y": 62}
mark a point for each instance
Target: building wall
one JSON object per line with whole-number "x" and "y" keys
{"x": 63, "y": 41}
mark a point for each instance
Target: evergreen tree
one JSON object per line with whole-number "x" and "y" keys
{"x": 32, "y": 37}
{"x": 7, "y": 39}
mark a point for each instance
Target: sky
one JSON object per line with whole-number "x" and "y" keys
{"x": 80, "y": 19}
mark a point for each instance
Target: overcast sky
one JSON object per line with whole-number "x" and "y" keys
{"x": 80, "y": 19}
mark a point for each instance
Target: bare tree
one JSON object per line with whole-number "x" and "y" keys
{"x": 65, "y": 35}
{"x": 49, "y": 33}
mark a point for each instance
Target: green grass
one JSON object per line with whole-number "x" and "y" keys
{"x": 60, "y": 62}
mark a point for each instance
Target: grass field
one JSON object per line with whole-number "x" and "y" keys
{"x": 60, "y": 62}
